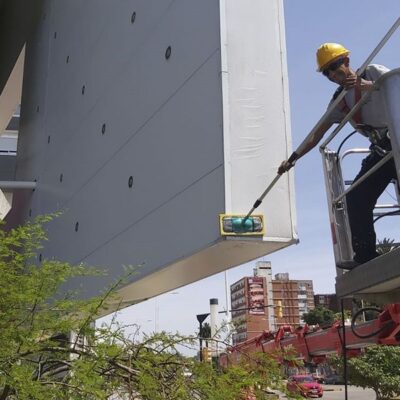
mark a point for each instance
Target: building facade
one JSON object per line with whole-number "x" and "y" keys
{"x": 249, "y": 308}
{"x": 305, "y": 296}
{"x": 331, "y": 302}
{"x": 255, "y": 300}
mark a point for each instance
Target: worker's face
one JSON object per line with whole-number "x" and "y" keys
{"x": 337, "y": 71}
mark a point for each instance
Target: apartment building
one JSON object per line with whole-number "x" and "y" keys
{"x": 255, "y": 300}
{"x": 332, "y": 302}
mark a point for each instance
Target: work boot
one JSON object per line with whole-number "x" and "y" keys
{"x": 357, "y": 261}
{"x": 348, "y": 265}
{"x": 363, "y": 258}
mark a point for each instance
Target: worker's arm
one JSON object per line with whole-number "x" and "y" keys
{"x": 304, "y": 148}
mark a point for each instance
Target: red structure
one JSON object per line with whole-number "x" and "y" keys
{"x": 314, "y": 346}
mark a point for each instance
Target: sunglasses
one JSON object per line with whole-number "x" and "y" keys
{"x": 333, "y": 66}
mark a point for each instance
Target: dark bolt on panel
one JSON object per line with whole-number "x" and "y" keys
{"x": 130, "y": 181}
{"x": 168, "y": 53}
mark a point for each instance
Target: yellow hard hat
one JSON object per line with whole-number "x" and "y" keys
{"x": 328, "y": 52}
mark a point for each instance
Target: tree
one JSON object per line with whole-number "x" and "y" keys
{"x": 252, "y": 377}
{"x": 319, "y": 316}
{"x": 205, "y": 330}
{"x": 378, "y": 369}
{"x": 386, "y": 245}
{"x": 50, "y": 348}
{"x": 338, "y": 316}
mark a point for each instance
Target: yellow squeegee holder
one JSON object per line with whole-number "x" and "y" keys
{"x": 223, "y": 233}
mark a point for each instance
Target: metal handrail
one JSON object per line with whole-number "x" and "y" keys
{"x": 354, "y": 151}
{"x": 350, "y": 183}
{"x": 395, "y": 214}
{"x": 388, "y": 156}
{"x": 364, "y": 177}
{"x": 387, "y": 206}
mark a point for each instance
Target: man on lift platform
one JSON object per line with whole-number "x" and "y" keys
{"x": 370, "y": 120}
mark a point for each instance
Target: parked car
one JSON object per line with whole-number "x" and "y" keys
{"x": 318, "y": 377}
{"x": 304, "y": 385}
{"x": 334, "y": 379}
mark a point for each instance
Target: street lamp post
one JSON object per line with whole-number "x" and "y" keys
{"x": 213, "y": 325}
{"x": 157, "y": 311}
{"x": 201, "y": 318}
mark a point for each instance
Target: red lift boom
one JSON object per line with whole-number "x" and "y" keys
{"x": 314, "y": 345}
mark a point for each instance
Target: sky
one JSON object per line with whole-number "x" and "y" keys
{"x": 359, "y": 25}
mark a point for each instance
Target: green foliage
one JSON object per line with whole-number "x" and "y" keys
{"x": 254, "y": 374}
{"x": 319, "y": 316}
{"x": 205, "y": 330}
{"x": 386, "y": 245}
{"x": 338, "y": 316}
{"x": 335, "y": 363}
{"x": 50, "y": 349}
{"x": 229, "y": 383}
{"x": 378, "y": 368}
{"x": 31, "y": 315}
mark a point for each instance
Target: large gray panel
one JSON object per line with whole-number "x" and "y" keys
{"x": 163, "y": 127}
{"x": 140, "y": 81}
{"x": 165, "y": 158}
{"x": 7, "y": 167}
{"x": 133, "y": 100}
{"x": 113, "y": 106}
{"x": 170, "y": 233}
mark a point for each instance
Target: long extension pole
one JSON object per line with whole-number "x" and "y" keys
{"x": 344, "y": 350}
{"x": 295, "y": 155}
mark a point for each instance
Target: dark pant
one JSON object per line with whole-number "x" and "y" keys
{"x": 361, "y": 203}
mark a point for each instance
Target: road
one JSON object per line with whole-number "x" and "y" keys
{"x": 336, "y": 392}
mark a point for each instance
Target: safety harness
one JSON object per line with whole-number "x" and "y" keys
{"x": 379, "y": 137}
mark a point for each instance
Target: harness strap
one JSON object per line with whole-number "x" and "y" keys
{"x": 357, "y": 96}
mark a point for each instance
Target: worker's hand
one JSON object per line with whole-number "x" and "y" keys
{"x": 350, "y": 81}
{"x": 287, "y": 164}
{"x": 284, "y": 167}
{"x": 353, "y": 80}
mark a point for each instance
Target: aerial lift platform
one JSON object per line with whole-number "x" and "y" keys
{"x": 378, "y": 280}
